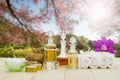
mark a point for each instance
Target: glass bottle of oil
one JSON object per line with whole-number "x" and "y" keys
{"x": 63, "y": 58}
{"x": 50, "y": 52}
{"x": 50, "y": 48}
{"x": 72, "y": 54}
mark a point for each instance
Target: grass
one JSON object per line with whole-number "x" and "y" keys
{"x": 17, "y": 53}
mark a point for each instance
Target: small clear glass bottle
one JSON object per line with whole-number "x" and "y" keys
{"x": 72, "y": 55}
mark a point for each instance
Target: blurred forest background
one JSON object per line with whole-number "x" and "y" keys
{"x": 21, "y": 23}
{"x": 13, "y": 42}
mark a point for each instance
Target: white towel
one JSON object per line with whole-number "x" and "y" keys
{"x": 109, "y": 60}
{"x": 102, "y": 63}
{"x": 85, "y": 61}
{"x": 96, "y": 59}
{"x": 93, "y": 62}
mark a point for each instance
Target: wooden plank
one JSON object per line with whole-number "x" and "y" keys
{"x": 106, "y": 74}
{"x": 78, "y": 74}
{"x": 57, "y": 74}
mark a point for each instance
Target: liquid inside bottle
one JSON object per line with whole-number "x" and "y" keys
{"x": 50, "y": 55}
{"x": 73, "y": 61}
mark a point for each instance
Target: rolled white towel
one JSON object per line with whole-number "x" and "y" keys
{"x": 110, "y": 61}
{"x": 85, "y": 62}
{"x": 102, "y": 63}
{"x": 93, "y": 62}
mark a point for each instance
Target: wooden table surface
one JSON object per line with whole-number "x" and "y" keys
{"x": 62, "y": 73}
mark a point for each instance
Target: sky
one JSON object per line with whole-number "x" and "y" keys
{"x": 97, "y": 15}
{"x": 80, "y": 30}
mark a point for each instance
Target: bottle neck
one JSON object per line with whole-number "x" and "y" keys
{"x": 72, "y": 48}
{"x": 50, "y": 42}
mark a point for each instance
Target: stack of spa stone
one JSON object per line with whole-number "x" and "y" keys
{"x": 34, "y": 62}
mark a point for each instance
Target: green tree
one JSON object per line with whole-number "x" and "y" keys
{"x": 91, "y": 44}
{"x": 117, "y": 50}
{"x": 82, "y": 43}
